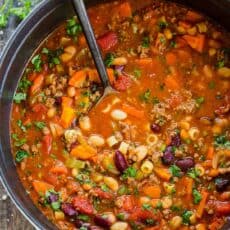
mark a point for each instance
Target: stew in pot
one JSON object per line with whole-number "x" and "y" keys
{"x": 154, "y": 156}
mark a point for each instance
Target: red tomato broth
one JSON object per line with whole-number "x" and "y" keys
{"x": 141, "y": 158}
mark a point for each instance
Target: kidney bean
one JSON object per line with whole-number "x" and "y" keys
{"x": 168, "y": 156}
{"x": 185, "y": 164}
{"x": 175, "y": 140}
{"x": 53, "y": 197}
{"x": 222, "y": 182}
{"x": 102, "y": 221}
{"x": 155, "y": 128}
{"x": 68, "y": 209}
{"x": 120, "y": 161}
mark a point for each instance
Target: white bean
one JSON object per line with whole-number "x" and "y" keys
{"x": 118, "y": 115}
{"x": 124, "y": 147}
{"x": 96, "y": 140}
{"x": 119, "y": 226}
{"x": 84, "y": 123}
{"x": 111, "y": 141}
{"x": 141, "y": 152}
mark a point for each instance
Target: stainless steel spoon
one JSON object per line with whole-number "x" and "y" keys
{"x": 80, "y": 9}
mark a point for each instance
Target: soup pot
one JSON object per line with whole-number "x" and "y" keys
{"x": 43, "y": 20}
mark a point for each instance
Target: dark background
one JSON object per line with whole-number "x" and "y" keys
{"x": 10, "y": 217}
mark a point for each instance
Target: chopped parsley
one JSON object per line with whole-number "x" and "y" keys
{"x": 104, "y": 188}
{"x": 121, "y": 216}
{"x": 129, "y": 172}
{"x": 145, "y": 97}
{"x": 40, "y": 124}
{"x": 186, "y": 217}
{"x": 21, "y": 155}
{"x": 137, "y": 73}
{"x": 24, "y": 84}
{"x": 162, "y": 24}
{"x": 196, "y": 196}
{"x": 19, "y": 97}
{"x": 18, "y": 142}
{"x": 37, "y": 63}
{"x": 83, "y": 217}
{"x": 156, "y": 100}
{"x": 221, "y": 141}
{"x": 193, "y": 173}
{"x": 21, "y": 126}
{"x": 109, "y": 59}
{"x": 146, "y": 207}
{"x": 73, "y": 28}
{"x": 175, "y": 170}
{"x": 145, "y": 42}
{"x": 53, "y": 56}
{"x": 211, "y": 85}
{"x": 220, "y": 64}
{"x": 199, "y": 101}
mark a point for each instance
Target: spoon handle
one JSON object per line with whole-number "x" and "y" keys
{"x": 91, "y": 40}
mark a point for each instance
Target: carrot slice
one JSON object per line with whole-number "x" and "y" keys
{"x": 59, "y": 168}
{"x": 171, "y": 58}
{"x": 124, "y": 10}
{"x": 144, "y": 62}
{"x": 83, "y": 152}
{"x": 66, "y": 102}
{"x": 210, "y": 153}
{"x": 153, "y": 191}
{"x": 133, "y": 111}
{"x": 188, "y": 184}
{"x": 171, "y": 82}
{"x": 163, "y": 173}
{"x": 196, "y": 42}
{"x": 67, "y": 116}
{"x": 78, "y": 78}
{"x": 37, "y": 84}
{"x": 41, "y": 187}
{"x": 192, "y": 16}
{"x": 200, "y": 209}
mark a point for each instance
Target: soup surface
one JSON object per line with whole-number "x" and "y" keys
{"x": 153, "y": 156}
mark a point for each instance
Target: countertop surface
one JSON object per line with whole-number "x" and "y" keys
{"x": 10, "y": 217}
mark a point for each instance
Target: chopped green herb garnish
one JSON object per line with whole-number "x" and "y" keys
{"x": 186, "y": 217}
{"x": 172, "y": 44}
{"x": 156, "y": 100}
{"x": 83, "y": 217}
{"x": 40, "y": 124}
{"x": 220, "y": 64}
{"x": 19, "y": 97}
{"x": 105, "y": 188}
{"x": 121, "y": 216}
{"x": 150, "y": 221}
{"x": 145, "y": 42}
{"x": 37, "y": 63}
{"x": 199, "y": 101}
{"x": 211, "y": 85}
{"x": 137, "y": 73}
{"x": 21, "y": 126}
{"x": 193, "y": 173}
{"x": 147, "y": 206}
{"x": 123, "y": 190}
{"x": 162, "y": 24}
{"x": 129, "y": 172}
{"x": 145, "y": 97}
{"x": 196, "y": 196}
{"x": 73, "y": 28}
{"x": 21, "y": 155}
{"x": 175, "y": 170}
{"x": 53, "y": 56}
{"x": 109, "y": 59}
{"x": 221, "y": 141}
{"x": 55, "y": 205}
{"x": 24, "y": 84}
{"x": 175, "y": 208}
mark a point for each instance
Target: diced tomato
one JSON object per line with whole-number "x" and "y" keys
{"x": 222, "y": 208}
{"x": 107, "y": 41}
{"x": 141, "y": 215}
{"x": 128, "y": 202}
{"x": 101, "y": 194}
{"x": 52, "y": 179}
{"x": 59, "y": 168}
{"x": 46, "y": 144}
{"x": 39, "y": 108}
{"x": 83, "y": 205}
{"x": 122, "y": 83}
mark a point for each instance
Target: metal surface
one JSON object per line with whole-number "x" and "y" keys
{"x": 47, "y": 16}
